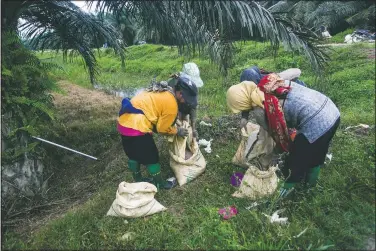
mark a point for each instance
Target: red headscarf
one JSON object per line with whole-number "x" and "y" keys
{"x": 273, "y": 87}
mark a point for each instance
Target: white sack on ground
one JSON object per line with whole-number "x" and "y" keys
{"x": 256, "y": 145}
{"x": 257, "y": 184}
{"x": 256, "y": 150}
{"x": 135, "y": 200}
{"x": 186, "y": 159}
{"x": 326, "y": 34}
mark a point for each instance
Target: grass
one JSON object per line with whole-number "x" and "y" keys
{"x": 340, "y": 37}
{"x": 339, "y": 214}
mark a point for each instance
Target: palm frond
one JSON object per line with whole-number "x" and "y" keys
{"x": 191, "y": 23}
{"x": 366, "y": 17}
{"x": 329, "y": 13}
{"x": 63, "y": 26}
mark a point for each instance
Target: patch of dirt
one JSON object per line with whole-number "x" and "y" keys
{"x": 360, "y": 129}
{"x": 77, "y": 103}
{"x": 89, "y": 103}
{"x": 77, "y": 96}
{"x": 370, "y": 53}
{"x": 334, "y": 45}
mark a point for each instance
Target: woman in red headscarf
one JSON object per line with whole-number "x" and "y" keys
{"x": 286, "y": 104}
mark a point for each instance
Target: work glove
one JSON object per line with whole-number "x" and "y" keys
{"x": 195, "y": 134}
{"x": 243, "y": 123}
{"x": 182, "y": 132}
{"x": 175, "y": 75}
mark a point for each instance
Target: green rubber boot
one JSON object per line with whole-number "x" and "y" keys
{"x": 289, "y": 185}
{"x": 286, "y": 189}
{"x": 134, "y": 166}
{"x": 155, "y": 172}
{"x": 312, "y": 176}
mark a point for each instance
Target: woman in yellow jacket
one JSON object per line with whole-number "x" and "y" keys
{"x": 153, "y": 110}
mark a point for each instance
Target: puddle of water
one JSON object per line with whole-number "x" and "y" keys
{"x": 124, "y": 93}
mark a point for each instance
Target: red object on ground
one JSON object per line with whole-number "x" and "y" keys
{"x": 228, "y": 212}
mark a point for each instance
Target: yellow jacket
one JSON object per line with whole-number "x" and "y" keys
{"x": 160, "y": 110}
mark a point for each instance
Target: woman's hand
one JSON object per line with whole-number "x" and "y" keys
{"x": 182, "y": 132}
{"x": 175, "y": 75}
{"x": 195, "y": 134}
{"x": 243, "y": 123}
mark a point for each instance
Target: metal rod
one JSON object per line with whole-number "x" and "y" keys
{"x": 52, "y": 143}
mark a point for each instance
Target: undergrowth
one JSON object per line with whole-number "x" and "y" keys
{"x": 338, "y": 214}
{"x": 340, "y": 37}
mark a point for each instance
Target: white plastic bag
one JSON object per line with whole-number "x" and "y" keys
{"x": 135, "y": 200}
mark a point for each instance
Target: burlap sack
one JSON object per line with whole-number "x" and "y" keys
{"x": 186, "y": 159}
{"x": 135, "y": 200}
{"x": 256, "y": 145}
{"x": 257, "y": 184}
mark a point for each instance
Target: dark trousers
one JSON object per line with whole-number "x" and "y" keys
{"x": 141, "y": 149}
{"x": 304, "y": 155}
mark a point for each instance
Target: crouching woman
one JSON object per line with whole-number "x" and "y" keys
{"x": 279, "y": 104}
{"x": 153, "y": 110}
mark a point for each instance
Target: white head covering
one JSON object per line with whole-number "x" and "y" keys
{"x": 290, "y": 74}
{"x": 193, "y": 72}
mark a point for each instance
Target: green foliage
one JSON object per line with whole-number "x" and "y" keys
{"x": 26, "y": 104}
{"x": 61, "y": 25}
{"x": 209, "y": 27}
{"x": 127, "y": 25}
{"x": 194, "y": 26}
{"x": 340, "y": 37}
{"x": 336, "y": 15}
{"x": 339, "y": 214}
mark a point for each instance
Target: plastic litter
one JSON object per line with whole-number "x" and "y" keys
{"x": 301, "y": 233}
{"x": 361, "y": 129}
{"x": 236, "y": 179}
{"x": 203, "y": 123}
{"x": 365, "y": 126}
{"x": 329, "y": 156}
{"x": 172, "y": 180}
{"x": 360, "y": 36}
{"x": 254, "y": 204}
{"x": 208, "y": 149}
{"x": 276, "y": 219}
{"x": 128, "y": 236}
{"x": 203, "y": 142}
{"x": 228, "y": 212}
